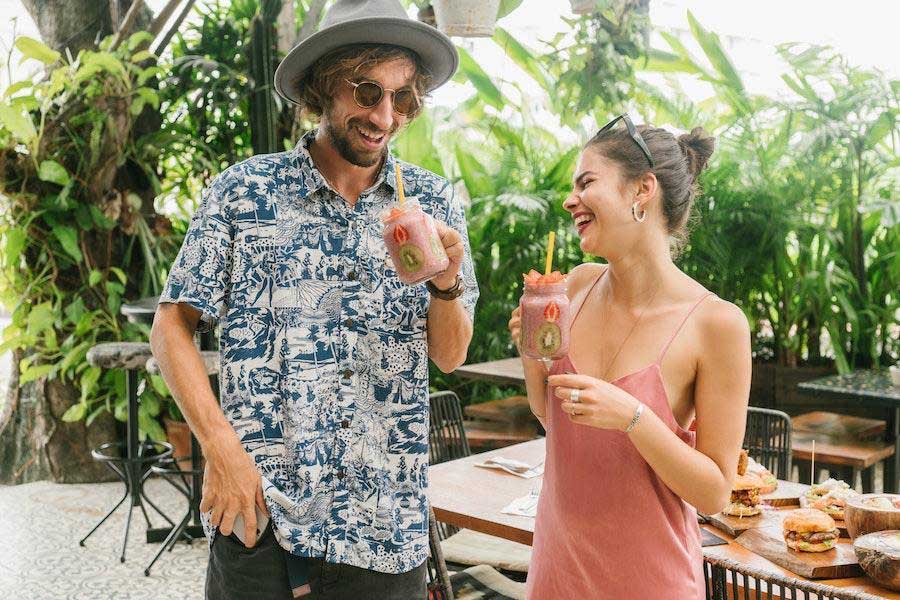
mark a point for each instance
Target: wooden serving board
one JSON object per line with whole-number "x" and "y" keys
{"x": 836, "y": 563}
{"x": 735, "y": 526}
{"x": 788, "y": 493}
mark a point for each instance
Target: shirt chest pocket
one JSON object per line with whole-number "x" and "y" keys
{"x": 404, "y": 308}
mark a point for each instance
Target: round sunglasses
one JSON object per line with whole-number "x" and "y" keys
{"x": 368, "y": 94}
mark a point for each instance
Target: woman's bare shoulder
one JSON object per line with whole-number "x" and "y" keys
{"x": 583, "y": 276}
{"x": 723, "y": 325}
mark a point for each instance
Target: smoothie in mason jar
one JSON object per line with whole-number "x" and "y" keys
{"x": 545, "y": 316}
{"x": 413, "y": 243}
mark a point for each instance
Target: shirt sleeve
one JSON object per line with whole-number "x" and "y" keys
{"x": 201, "y": 274}
{"x": 456, "y": 218}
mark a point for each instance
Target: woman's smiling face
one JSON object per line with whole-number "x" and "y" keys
{"x": 598, "y": 204}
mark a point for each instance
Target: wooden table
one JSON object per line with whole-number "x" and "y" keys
{"x": 507, "y": 370}
{"x": 472, "y": 497}
{"x": 869, "y": 388}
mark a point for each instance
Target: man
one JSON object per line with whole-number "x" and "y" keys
{"x": 324, "y": 352}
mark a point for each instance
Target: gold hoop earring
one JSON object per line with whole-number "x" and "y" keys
{"x": 634, "y": 213}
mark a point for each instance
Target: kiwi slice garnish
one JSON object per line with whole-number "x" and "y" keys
{"x": 411, "y": 258}
{"x": 547, "y": 338}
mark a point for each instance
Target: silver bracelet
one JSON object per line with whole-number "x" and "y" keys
{"x": 636, "y": 417}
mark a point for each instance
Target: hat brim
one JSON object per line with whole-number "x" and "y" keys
{"x": 437, "y": 52}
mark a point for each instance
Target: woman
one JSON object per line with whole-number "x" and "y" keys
{"x": 651, "y": 352}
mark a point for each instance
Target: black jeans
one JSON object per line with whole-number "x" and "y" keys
{"x": 236, "y": 572}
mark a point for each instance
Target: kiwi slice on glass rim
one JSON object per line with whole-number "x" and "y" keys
{"x": 411, "y": 258}
{"x": 547, "y": 338}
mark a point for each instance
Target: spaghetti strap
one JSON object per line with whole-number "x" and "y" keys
{"x": 586, "y": 296}
{"x": 683, "y": 321}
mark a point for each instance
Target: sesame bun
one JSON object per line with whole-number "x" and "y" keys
{"x": 808, "y": 520}
{"x": 747, "y": 481}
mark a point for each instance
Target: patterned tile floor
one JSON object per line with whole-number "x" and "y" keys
{"x": 41, "y": 523}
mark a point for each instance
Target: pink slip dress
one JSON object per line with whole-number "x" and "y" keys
{"x": 607, "y": 526}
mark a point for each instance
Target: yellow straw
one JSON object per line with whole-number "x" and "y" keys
{"x": 399, "y": 183}
{"x": 550, "y": 243}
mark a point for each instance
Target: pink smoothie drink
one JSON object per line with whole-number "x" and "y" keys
{"x": 545, "y": 317}
{"x": 413, "y": 243}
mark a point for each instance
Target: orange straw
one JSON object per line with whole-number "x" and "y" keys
{"x": 399, "y": 183}
{"x": 549, "y": 263}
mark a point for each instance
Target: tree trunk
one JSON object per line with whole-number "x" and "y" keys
{"x": 35, "y": 444}
{"x": 79, "y": 24}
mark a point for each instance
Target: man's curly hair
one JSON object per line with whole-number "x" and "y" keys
{"x": 318, "y": 86}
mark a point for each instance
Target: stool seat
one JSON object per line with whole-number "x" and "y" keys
{"x": 157, "y": 451}
{"x": 210, "y": 359}
{"x": 120, "y": 355}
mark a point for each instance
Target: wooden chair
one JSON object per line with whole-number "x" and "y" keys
{"x": 767, "y": 439}
{"x": 447, "y": 440}
{"x": 730, "y": 580}
{"x": 481, "y": 582}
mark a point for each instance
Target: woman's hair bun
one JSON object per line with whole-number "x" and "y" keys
{"x": 697, "y": 147}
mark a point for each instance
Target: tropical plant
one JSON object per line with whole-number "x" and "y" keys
{"x": 79, "y": 232}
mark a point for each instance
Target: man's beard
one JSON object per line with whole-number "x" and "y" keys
{"x": 341, "y": 142}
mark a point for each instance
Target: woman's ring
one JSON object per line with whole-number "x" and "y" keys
{"x": 575, "y": 396}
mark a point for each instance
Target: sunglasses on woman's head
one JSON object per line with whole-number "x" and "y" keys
{"x": 633, "y": 132}
{"x": 368, "y": 94}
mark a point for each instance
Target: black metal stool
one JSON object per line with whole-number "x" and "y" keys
{"x": 187, "y": 481}
{"x": 129, "y": 459}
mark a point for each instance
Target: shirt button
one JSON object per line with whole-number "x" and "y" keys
{"x": 351, "y": 275}
{"x": 345, "y": 424}
{"x": 348, "y": 323}
{"x": 348, "y": 373}
{"x": 341, "y": 472}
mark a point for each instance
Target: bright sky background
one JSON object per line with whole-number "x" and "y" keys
{"x": 863, "y": 30}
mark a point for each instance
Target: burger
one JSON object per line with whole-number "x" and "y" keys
{"x": 744, "y": 496}
{"x": 769, "y": 482}
{"x": 819, "y": 490}
{"x": 833, "y": 502}
{"x": 810, "y": 530}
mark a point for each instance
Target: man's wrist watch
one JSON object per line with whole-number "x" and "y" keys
{"x": 453, "y": 293}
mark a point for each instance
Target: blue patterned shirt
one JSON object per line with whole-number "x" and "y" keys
{"x": 324, "y": 357}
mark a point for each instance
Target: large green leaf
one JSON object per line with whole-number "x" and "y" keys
{"x": 659, "y": 61}
{"x": 507, "y": 6}
{"x": 487, "y": 91}
{"x": 31, "y": 48}
{"x": 52, "y": 171}
{"x": 68, "y": 239}
{"x": 712, "y": 47}
{"x": 523, "y": 57}
{"x": 18, "y": 122}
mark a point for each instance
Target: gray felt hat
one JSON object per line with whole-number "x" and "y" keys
{"x": 368, "y": 22}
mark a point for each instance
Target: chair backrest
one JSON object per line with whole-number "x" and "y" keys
{"x": 446, "y": 434}
{"x": 439, "y": 587}
{"x": 767, "y": 440}
{"x": 729, "y": 580}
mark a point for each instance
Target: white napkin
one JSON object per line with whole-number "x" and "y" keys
{"x": 526, "y": 506}
{"x": 513, "y": 466}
